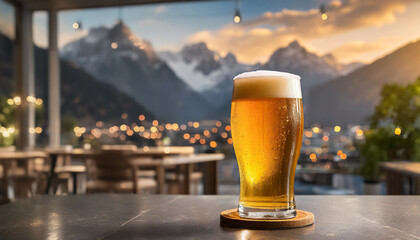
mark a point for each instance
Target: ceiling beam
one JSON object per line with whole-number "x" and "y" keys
{"x": 39, "y": 5}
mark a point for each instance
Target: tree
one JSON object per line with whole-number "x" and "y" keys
{"x": 394, "y": 128}
{"x": 8, "y": 130}
{"x": 7, "y": 117}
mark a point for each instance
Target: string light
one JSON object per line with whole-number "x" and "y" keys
{"x": 17, "y": 100}
{"x": 323, "y": 12}
{"x": 397, "y": 131}
{"x": 77, "y": 25}
{"x": 237, "y": 16}
{"x": 114, "y": 45}
{"x": 38, "y": 130}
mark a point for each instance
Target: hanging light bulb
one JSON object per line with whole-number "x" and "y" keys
{"x": 237, "y": 17}
{"x": 114, "y": 45}
{"x": 323, "y": 12}
{"x": 77, "y": 25}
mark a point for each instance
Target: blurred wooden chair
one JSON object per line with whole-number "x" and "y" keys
{"x": 129, "y": 147}
{"x": 114, "y": 172}
{"x": 64, "y": 173}
{"x": 175, "y": 180}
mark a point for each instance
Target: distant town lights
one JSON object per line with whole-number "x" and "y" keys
{"x": 312, "y": 156}
{"x": 213, "y": 144}
{"x": 337, "y": 129}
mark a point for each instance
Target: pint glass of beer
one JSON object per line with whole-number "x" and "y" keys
{"x": 267, "y": 129}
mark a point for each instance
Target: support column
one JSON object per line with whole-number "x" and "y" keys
{"x": 54, "y": 118}
{"x": 25, "y": 77}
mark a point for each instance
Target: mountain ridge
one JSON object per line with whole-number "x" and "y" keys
{"x": 80, "y": 96}
{"x": 118, "y": 57}
{"x": 351, "y": 99}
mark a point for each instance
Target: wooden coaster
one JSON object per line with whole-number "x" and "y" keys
{"x": 231, "y": 218}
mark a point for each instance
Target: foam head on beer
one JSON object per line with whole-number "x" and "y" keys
{"x": 266, "y": 84}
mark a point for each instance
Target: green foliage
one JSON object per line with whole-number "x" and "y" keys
{"x": 7, "y": 117}
{"x": 8, "y": 129}
{"x": 68, "y": 123}
{"x": 399, "y": 107}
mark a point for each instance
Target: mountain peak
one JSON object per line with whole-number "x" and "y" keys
{"x": 207, "y": 60}
{"x": 119, "y": 30}
{"x": 196, "y": 50}
{"x": 294, "y": 44}
{"x": 230, "y": 59}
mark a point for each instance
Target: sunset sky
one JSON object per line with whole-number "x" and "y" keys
{"x": 356, "y": 30}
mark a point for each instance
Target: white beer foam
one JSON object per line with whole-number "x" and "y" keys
{"x": 266, "y": 84}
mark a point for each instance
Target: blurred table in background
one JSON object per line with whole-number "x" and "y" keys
{"x": 6, "y": 157}
{"x": 402, "y": 177}
{"x": 166, "y": 150}
{"x": 72, "y": 153}
{"x": 158, "y": 158}
{"x": 187, "y": 162}
{"x": 127, "y": 216}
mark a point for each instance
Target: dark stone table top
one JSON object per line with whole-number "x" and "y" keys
{"x": 197, "y": 217}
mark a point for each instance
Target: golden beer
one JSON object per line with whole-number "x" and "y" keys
{"x": 267, "y": 129}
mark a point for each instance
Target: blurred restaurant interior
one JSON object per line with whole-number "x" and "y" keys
{"x": 134, "y": 96}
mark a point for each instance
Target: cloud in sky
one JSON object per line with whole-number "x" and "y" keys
{"x": 350, "y": 50}
{"x": 148, "y": 22}
{"x": 7, "y": 28}
{"x": 160, "y": 9}
{"x": 254, "y": 40}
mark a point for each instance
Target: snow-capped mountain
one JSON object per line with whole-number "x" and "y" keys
{"x": 201, "y": 67}
{"x": 188, "y": 84}
{"x": 313, "y": 69}
{"x": 116, "y": 56}
{"x": 206, "y": 71}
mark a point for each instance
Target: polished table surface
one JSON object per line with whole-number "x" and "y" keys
{"x": 110, "y": 216}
